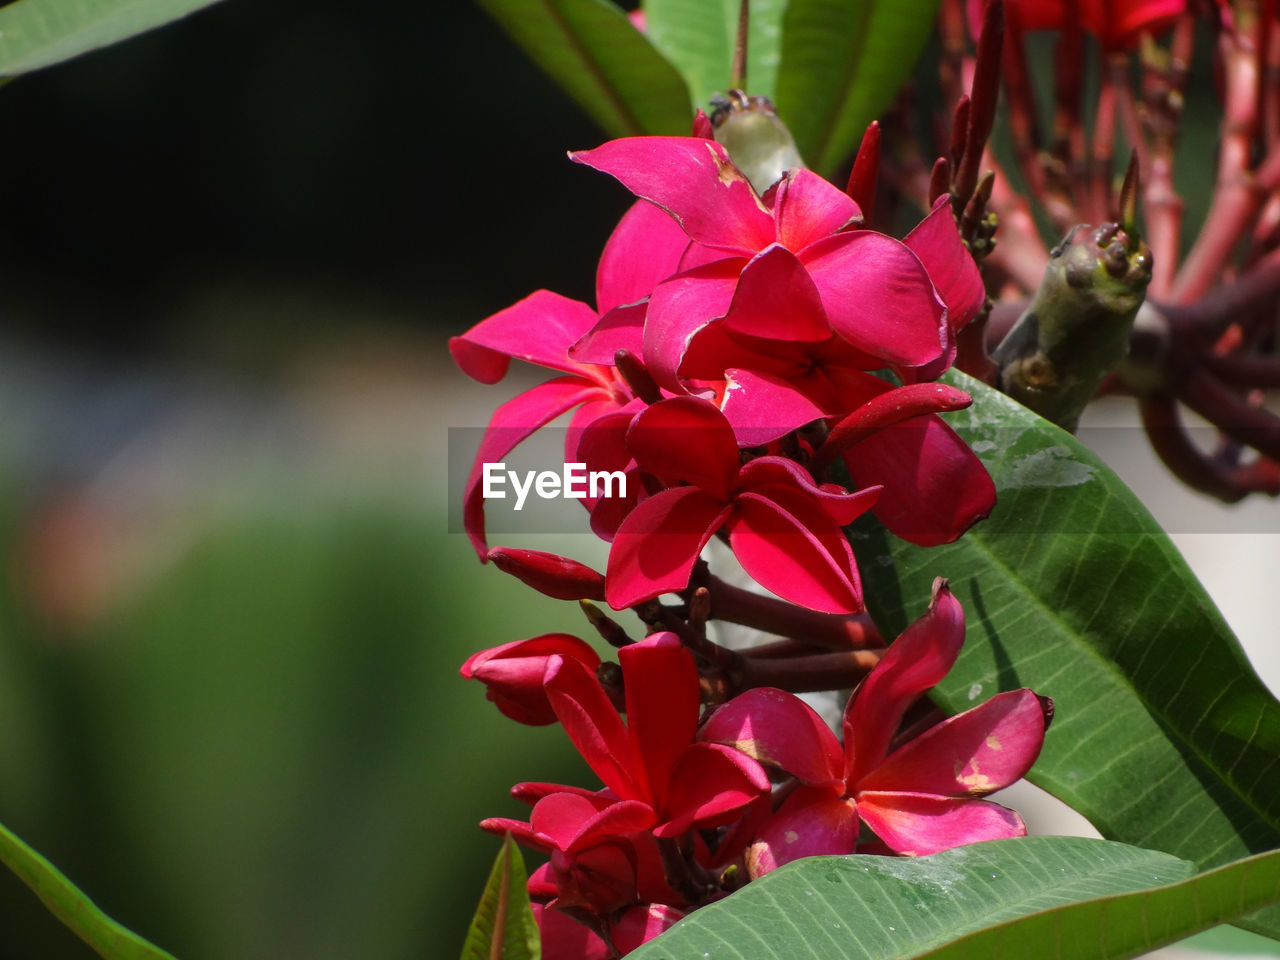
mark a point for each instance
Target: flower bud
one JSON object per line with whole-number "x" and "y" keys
{"x": 549, "y": 573}
{"x": 513, "y": 674}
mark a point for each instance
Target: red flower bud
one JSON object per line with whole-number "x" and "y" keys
{"x": 549, "y": 573}
{"x": 513, "y": 673}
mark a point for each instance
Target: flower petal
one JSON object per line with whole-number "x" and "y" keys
{"x": 563, "y": 937}
{"x": 662, "y": 696}
{"x": 777, "y": 476}
{"x": 777, "y": 300}
{"x": 594, "y": 726}
{"x": 974, "y": 753}
{"x": 918, "y": 824}
{"x": 539, "y": 329}
{"x": 658, "y": 544}
{"x": 512, "y": 423}
{"x": 693, "y": 180}
{"x": 686, "y": 440}
{"x": 622, "y": 328}
{"x": 807, "y": 208}
{"x": 810, "y": 822}
{"x": 571, "y": 821}
{"x": 644, "y": 249}
{"x": 878, "y": 296}
{"x": 789, "y": 545}
{"x": 678, "y": 309}
{"x": 936, "y": 241}
{"x": 761, "y": 407}
{"x": 916, "y": 661}
{"x": 709, "y": 785}
{"x": 638, "y": 925}
{"x": 779, "y": 730}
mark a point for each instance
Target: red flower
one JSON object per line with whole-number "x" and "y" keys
{"x": 785, "y": 264}
{"x": 653, "y": 760}
{"x": 784, "y": 529}
{"x": 920, "y": 798}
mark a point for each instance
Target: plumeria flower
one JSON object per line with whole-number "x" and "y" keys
{"x": 653, "y": 760}
{"x": 784, "y": 529}
{"x": 785, "y": 265}
{"x": 919, "y": 798}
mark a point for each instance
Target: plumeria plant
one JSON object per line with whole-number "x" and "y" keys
{"x": 843, "y": 469}
{"x": 860, "y": 576}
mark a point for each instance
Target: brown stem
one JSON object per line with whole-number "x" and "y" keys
{"x": 771, "y": 615}
{"x": 819, "y": 671}
{"x": 1185, "y": 461}
{"x": 1211, "y": 314}
{"x": 1232, "y": 414}
{"x": 738, "y": 77}
{"x": 1244, "y": 370}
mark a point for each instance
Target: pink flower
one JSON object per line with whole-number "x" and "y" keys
{"x": 787, "y": 265}
{"x": 784, "y": 529}
{"x": 513, "y": 673}
{"x": 653, "y": 760}
{"x": 918, "y": 798}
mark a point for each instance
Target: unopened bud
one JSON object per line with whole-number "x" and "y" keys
{"x": 513, "y": 674}
{"x": 549, "y": 573}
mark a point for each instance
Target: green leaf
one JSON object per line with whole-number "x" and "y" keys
{"x": 39, "y": 33}
{"x": 504, "y": 927}
{"x": 842, "y": 64}
{"x": 591, "y": 49}
{"x": 1163, "y": 736}
{"x": 1068, "y": 897}
{"x": 75, "y": 910}
{"x": 699, "y": 37}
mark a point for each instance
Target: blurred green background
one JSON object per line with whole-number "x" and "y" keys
{"x": 232, "y": 613}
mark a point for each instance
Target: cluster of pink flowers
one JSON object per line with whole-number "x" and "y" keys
{"x": 762, "y": 368}
{"x": 727, "y": 365}
{"x": 686, "y": 813}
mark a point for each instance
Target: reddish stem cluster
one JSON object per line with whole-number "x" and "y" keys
{"x": 1206, "y": 338}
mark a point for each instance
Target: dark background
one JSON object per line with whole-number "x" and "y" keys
{"x": 231, "y": 252}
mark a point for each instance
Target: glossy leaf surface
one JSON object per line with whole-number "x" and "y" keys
{"x": 1163, "y": 735}
{"x": 39, "y": 33}
{"x": 1068, "y": 897}
{"x": 699, "y": 37}
{"x": 842, "y": 64}
{"x": 599, "y": 58}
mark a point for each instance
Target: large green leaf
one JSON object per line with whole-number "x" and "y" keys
{"x": 39, "y": 33}
{"x": 591, "y": 49}
{"x": 699, "y": 37}
{"x": 842, "y": 64}
{"x": 1164, "y": 737}
{"x": 75, "y": 910}
{"x": 1067, "y": 897}
{"x": 503, "y": 927}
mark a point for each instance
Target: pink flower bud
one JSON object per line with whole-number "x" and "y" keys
{"x": 513, "y": 673}
{"x": 549, "y": 573}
